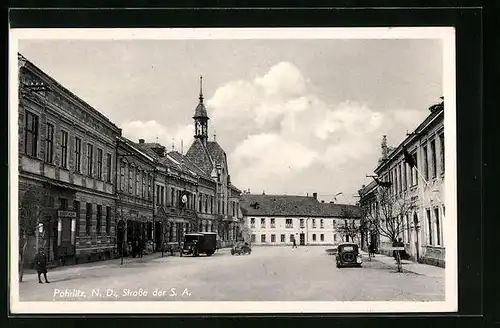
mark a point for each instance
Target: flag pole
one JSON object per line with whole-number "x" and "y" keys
{"x": 427, "y": 184}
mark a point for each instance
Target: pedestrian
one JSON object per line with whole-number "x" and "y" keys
{"x": 141, "y": 247}
{"x": 402, "y": 254}
{"x": 41, "y": 265}
{"x": 294, "y": 243}
{"x": 371, "y": 250}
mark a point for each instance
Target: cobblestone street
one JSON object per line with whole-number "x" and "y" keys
{"x": 268, "y": 274}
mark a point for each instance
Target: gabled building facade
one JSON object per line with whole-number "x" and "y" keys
{"x": 279, "y": 219}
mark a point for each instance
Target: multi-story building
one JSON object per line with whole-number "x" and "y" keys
{"x": 279, "y": 219}
{"x": 210, "y": 157}
{"x": 134, "y": 205}
{"x": 202, "y": 177}
{"x": 66, "y": 164}
{"x": 421, "y": 186}
{"x": 99, "y": 193}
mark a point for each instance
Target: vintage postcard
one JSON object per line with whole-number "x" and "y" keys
{"x": 295, "y": 170}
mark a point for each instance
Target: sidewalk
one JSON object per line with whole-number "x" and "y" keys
{"x": 78, "y": 269}
{"x": 408, "y": 266}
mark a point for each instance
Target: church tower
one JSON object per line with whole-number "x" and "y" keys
{"x": 201, "y": 118}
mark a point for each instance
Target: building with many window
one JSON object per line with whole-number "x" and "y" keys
{"x": 420, "y": 185}
{"x": 93, "y": 193}
{"x": 135, "y": 193}
{"x": 198, "y": 192}
{"x": 66, "y": 166}
{"x": 279, "y": 219}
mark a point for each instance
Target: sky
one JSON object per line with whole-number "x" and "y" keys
{"x": 294, "y": 116}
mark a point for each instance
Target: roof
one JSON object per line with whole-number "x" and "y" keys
{"x": 396, "y": 151}
{"x": 290, "y": 205}
{"x": 146, "y": 148}
{"x": 368, "y": 188}
{"x": 216, "y": 152}
{"x": 234, "y": 188}
{"x": 199, "y": 155}
{"x": 70, "y": 94}
{"x": 201, "y": 111}
{"x": 187, "y": 163}
{"x": 138, "y": 150}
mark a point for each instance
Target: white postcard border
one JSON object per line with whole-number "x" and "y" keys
{"x": 446, "y": 34}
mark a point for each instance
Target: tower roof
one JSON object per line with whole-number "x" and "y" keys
{"x": 201, "y": 110}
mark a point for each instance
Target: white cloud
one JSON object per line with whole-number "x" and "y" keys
{"x": 283, "y": 133}
{"x": 269, "y": 156}
{"x": 151, "y": 130}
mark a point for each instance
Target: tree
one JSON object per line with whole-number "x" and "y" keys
{"x": 349, "y": 230}
{"x": 387, "y": 219}
{"x": 32, "y": 205}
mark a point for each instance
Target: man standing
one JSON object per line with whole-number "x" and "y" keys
{"x": 294, "y": 243}
{"x": 41, "y": 265}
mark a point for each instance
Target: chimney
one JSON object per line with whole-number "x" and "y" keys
{"x": 322, "y": 202}
{"x": 332, "y": 202}
{"x": 385, "y": 149}
{"x": 141, "y": 141}
{"x": 315, "y": 195}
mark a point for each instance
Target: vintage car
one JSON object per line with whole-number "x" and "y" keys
{"x": 348, "y": 255}
{"x": 241, "y": 248}
{"x": 199, "y": 243}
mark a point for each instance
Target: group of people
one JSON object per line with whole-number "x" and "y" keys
{"x": 138, "y": 247}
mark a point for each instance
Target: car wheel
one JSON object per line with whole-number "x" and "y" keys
{"x": 232, "y": 252}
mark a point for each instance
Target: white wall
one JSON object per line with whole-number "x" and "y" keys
{"x": 311, "y": 228}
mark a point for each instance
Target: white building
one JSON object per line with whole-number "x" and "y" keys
{"x": 278, "y": 219}
{"x": 422, "y": 228}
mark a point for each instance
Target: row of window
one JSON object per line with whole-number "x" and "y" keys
{"x": 143, "y": 180}
{"x": 205, "y": 203}
{"x": 31, "y": 132}
{"x": 101, "y": 227}
{"x": 288, "y": 223}
{"x": 283, "y": 238}
{"x": 433, "y": 224}
{"x": 402, "y": 176}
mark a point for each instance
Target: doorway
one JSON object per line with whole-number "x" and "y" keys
{"x": 302, "y": 239}
{"x": 120, "y": 237}
{"x": 158, "y": 234}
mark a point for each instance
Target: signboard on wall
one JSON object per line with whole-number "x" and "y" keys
{"x": 66, "y": 214}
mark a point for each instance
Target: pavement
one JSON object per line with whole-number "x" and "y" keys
{"x": 409, "y": 266}
{"x": 273, "y": 273}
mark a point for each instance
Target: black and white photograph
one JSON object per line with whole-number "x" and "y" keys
{"x": 233, "y": 170}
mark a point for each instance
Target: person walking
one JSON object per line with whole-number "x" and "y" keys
{"x": 41, "y": 265}
{"x": 371, "y": 250}
{"x": 294, "y": 243}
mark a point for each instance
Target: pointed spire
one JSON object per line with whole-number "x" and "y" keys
{"x": 173, "y": 144}
{"x": 201, "y": 88}
{"x": 182, "y": 146}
